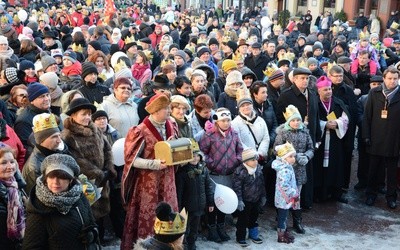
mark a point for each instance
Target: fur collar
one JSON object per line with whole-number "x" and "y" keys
{"x": 78, "y": 129}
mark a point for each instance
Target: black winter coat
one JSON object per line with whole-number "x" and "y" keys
{"x": 47, "y": 228}
{"x": 66, "y": 41}
{"x": 194, "y": 188}
{"x": 257, "y": 65}
{"x": 306, "y": 107}
{"x": 94, "y": 92}
{"x": 247, "y": 187}
{"x": 266, "y": 111}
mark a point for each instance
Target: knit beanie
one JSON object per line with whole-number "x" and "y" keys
{"x": 124, "y": 72}
{"x": 234, "y": 77}
{"x": 3, "y": 40}
{"x": 317, "y": 45}
{"x": 311, "y": 61}
{"x": 61, "y": 162}
{"x": 156, "y": 103}
{"x": 249, "y": 154}
{"x": 33, "y": 25}
{"x": 99, "y": 113}
{"x": 181, "y": 54}
{"x": 88, "y": 68}
{"x": 70, "y": 55}
{"x": 95, "y": 44}
{"x": 50, "y": 79}
{"x": 46, "y": 60}
{"x": 65, "y": 29}
{"x": 202, "y": 50}
{"x": 243, "y": 96}
{"x": 228, "y": 64}
{"x": 11, "y": 75}
{"x": 180, "y": 100}
{"x": 278, "y": 73}
{"x": 56, "y": 52}
{"x": 35, "y": 90}
{"x": 44, "y": 126}
{"x": 174, "y": 45}
{"x": 26, "y": 64}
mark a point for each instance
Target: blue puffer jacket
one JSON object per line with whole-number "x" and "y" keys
{"x": 248, "y": 187}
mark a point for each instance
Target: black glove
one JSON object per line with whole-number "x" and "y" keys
{"x": 367, "y": 142}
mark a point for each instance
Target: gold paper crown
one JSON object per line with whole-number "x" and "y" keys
{"x": 195, "y": 145}
{"x": 288, "y": 56}
{"x": 284, "y": 149}
{"x": 149, "y": 54}
{"x": 77, "y": 48}
{"x": 120, "y": 65}
{"x": 44, "y": 121}
{"x": 335, "y": 29}
{"x": 4, "y": 19}
{"x": 302, "y": 63}
{"x": 242, "y": 93}
{"x": 394, "y": 25}
{"x": 226, "y": 39}
{"x": 237, "y": 57}
{"x": 130, "y": 39}
{"x": 270, "y": 69}
{"x": 277, "y": 27}
{"x": 290, "y": 111}
{"x": 166, "y": 62}
{"x": 178, "y": 226}
{"x": 330, "y": 65}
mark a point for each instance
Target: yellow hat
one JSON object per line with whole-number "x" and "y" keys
{"x": 228, "y": 64}
{"x": 44, "y": 125}
{"x": 284, "y": 150}
{"x": 394, "y": 25}
{"x": 164, "y": 225}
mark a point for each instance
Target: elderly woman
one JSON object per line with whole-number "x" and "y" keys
{"x": 179, "y": 107}
{"x": 91, "y": 150}
{"x": 18, "y": 99}
{"x": 121, "y": 110}
{"x": 58, "y": 214}
{"x": 200, "y": 115}
{"x": 12, "y": 214}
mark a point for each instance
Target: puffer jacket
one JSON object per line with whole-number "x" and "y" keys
{"x": 194, "y": 188}
{"x": 248, "y": 187}
{"x": 285, "y": 189}
{"x": 223, "y": 153}
{"x": 47, "y": 228}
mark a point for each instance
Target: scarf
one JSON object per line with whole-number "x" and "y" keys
{"x": 63, "y": 201}
{"x": 389, "y": 93}
{"x": 55, "y": 94}
{"x": 252, "y": 171}
{"x": 7, "y": 53}
{"x": 202, "y": 121}
{"x": 250, "y": 119}
{"x": 138, "y": 70}
{"x": 15, "y": 211}
{"x": 31, "y": 79}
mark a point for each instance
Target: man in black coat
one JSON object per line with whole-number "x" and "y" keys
{"x": 343, "y": 92}
{"x": 306, "y": 100}
{"x": 382, "y": 136}
{"x": 256, "y": 61}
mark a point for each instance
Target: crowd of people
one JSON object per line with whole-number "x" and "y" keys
{"x": 274, "y": 113}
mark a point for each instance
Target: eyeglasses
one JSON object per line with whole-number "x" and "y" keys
{"x": 125, "y": 88}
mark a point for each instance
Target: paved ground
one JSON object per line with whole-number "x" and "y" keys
{"x": 328, "y": 225}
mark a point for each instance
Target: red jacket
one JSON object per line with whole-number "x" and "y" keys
{"x": 12, "y": 140}
{"x": 155, "y": 39}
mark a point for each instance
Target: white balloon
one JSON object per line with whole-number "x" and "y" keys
{"x": 225, "y": 199}
{"x": 118, "y": 152}
{"x": 22, "y": 15}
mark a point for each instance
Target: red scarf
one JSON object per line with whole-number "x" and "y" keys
{"x": 138, "y": 70}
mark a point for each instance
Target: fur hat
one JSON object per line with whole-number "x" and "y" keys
{"x": 284, "y": 150}
{"x": 180, "y": 100}
{"x": 249, "y": 154}
{"x": 61, "y": 162}
{"x": 44, "y": 126}
{"x": 228, "y": 64}
{"x": 234, "y": 77}
{"x": 88, "y": 68}
{"x": 323, "y": 82}
{"x": 50, "y": 79}
{"x": 46, "y": 60}
{"x": 156, "y": 103}
{"x": 221, "y": 114}
{"x": 79, "y": 104}
{"x": 35, "y": 90}
{"x": 26, "y": 64}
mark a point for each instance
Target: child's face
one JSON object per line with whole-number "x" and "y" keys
{"x": 224, "y": 124}
{"x": 58, "y": 59}
{"x": 374, "y": 40}
{"x": 295, "y": 123}
{"x": 364, "y": 43}
{"x": 252, "y": 163}
{"x": 196, "y": 159}
{"x": 67, "y": 62}
{"x": 30, "y": 72}
{"x": 312, "y": 67}
{"x": 291, "y": 159}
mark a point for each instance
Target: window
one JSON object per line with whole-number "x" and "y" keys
{"x": 302, "y": 3}
{"x": 329, "y": 3}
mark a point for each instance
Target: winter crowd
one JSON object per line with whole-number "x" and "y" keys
{"x": 274, "y": 112}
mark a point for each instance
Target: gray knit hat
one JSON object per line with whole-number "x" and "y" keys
{"x": 312, "y": 60}
{"x": 249, "y": 154}
{"x": 182, "y": 54}
{"x": 46, "y": 60}
{"x": 61, "y": 162}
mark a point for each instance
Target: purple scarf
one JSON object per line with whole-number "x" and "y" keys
{"x": 15, "y": 211}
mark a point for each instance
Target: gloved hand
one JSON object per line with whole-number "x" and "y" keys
{"x": 241, "y": 206}
{"x": 301, "y": 159}
{"x": 367, "y": 142}
{"x": 263, "y": 201}
{"x": 208, "y": 126}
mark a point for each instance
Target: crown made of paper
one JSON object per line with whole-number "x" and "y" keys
{"x": 290, "y": 111}
{"x": 4, "y": 19}
{"x": 270, "y": 69}
{"x": 43, "y": 122}
{"x": 202, "y": 40}
{"x": 237, "y": 57}
{"x": 77, "y": 48}
{"x": 395, "y": 25}
{"x": 120, "y": 65}
{"x": 302, "y": 64}
{"x": 277, "y": 27}
{"x": 242, "y": 93}
{"x": 330, "y": 65}
{"x": 177, "y": 226}
{"x": 167, "y": 62}
{"x": 226, "y": 39}
{"x": 284, "y": 149}
{"x": 195, "y": 145}
{"x": 287, "y": 56}
{"x": 149, "y": 54}
{"x": 130, "y": 39}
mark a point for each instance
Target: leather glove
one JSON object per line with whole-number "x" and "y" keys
{"x": 208, "y": 126}
{"x": 263, "y": 201}
{"x": 367, "y": 142}
{"x": 302, "y": 159}
{"x": 241, "y": 206}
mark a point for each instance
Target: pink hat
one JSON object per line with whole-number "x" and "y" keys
{"x": 387, "y": 42}
{"x": 323, "y": 82}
